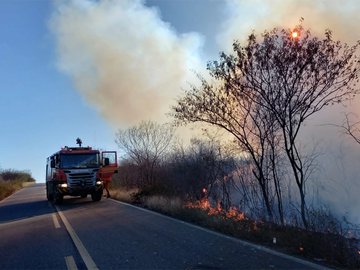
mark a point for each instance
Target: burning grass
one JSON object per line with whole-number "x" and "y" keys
{"x": 327, "y": 248}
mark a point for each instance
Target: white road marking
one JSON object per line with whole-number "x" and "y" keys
{"x": 70, "y": 263}
{"x": 89, "y": 262}
{"x": 56, "y": 221}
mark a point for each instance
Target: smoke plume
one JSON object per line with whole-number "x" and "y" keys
{"x": 122, "y": 58}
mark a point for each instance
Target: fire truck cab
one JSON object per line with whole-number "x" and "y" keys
{"x": 78, "y": 171}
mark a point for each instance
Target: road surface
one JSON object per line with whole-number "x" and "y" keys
{"x": 81, "y": 234}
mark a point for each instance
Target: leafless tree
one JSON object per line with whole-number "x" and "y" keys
{"x": 146, "y": 145}
{"x": 282, "y": 78}
{"x": 293, "y": 79}
{"x": 202, "y": 170}
{"x": 352, "y": 128}
{"x": 227, "y": 107}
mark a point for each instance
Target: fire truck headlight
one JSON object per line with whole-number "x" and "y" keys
{"x": 98, "y": 182}
{"x": 63, "y": 185}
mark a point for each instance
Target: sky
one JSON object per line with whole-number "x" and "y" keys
{"x": 85, "y": 68}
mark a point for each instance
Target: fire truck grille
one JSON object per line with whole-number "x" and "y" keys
{"x": 81, "y": 180}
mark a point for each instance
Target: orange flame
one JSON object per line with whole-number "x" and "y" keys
{"x": 204, "y": 204}
{"x": 295, "y": 34}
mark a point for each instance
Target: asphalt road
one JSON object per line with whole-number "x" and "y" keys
{"x": 81, "y": 234}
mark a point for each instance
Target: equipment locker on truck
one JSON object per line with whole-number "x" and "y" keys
{"x": 79, "y": 171}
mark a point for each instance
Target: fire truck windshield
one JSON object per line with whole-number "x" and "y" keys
{"x": 69, "y": 161}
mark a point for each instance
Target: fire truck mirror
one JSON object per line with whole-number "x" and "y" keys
{"x": 52, "y": 163}
{"x": 106, "y": 161}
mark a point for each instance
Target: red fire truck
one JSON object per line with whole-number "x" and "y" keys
{"x": 79, "y": 171}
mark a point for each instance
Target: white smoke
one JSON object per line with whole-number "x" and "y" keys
{"x": 123, "y": 58}
{"x": 338, "y": 171}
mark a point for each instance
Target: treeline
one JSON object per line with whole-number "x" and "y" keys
{"x": 12, "y": 180}
{"x": 200, "y": 170}
{"x": 156, "y": 164}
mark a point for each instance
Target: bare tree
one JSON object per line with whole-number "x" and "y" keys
{"x": 292, "y": 78}
{"x": 352, "y": 128}
{"x": 146, "y": 145}
{"x": 228, "y": 108}
{"x": 202, "y": 170}
{"x": 282, "y": 78}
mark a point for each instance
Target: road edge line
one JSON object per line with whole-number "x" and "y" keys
{"x": 256, "y": 246}
{"x": 89, "y": 262}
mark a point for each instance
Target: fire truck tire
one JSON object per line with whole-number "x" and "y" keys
{"x": 96, "y": 196}
{"x": 49, "y": 195}
{"x": 58, "y": 198}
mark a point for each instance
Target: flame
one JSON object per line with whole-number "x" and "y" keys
{"x": 295, "y": 34}
{"x": 233, "y": 213}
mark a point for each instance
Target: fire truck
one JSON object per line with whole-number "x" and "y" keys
{"x": 79, "y": 171}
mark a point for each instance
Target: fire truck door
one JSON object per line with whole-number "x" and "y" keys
{"x": 109, "y": 158}
{"x": 109, "y": 165}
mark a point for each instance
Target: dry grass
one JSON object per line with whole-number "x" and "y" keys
{"x": 170, "y": 206}
{"x": 13, "y": 180}
{"x": 9, "y": 187}
{"x": 124, "y": 195}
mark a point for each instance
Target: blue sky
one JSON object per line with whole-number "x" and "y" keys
{"x": 39, "y": 109}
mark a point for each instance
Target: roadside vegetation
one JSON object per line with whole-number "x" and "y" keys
{"x": 13, "y": 180}
{"x": 255, "y": 185}
{"x": 329, "y": 240}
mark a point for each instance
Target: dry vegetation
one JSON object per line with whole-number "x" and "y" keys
{"x": 331, "y": 249}
{"x": 257, "y": 186}
{"x": 12, "y": 180}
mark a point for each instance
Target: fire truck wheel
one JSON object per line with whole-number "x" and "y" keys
{"x": 96, "y": 196}
{"x": 49, "y": 195}
{"x": 57, "y": 196}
